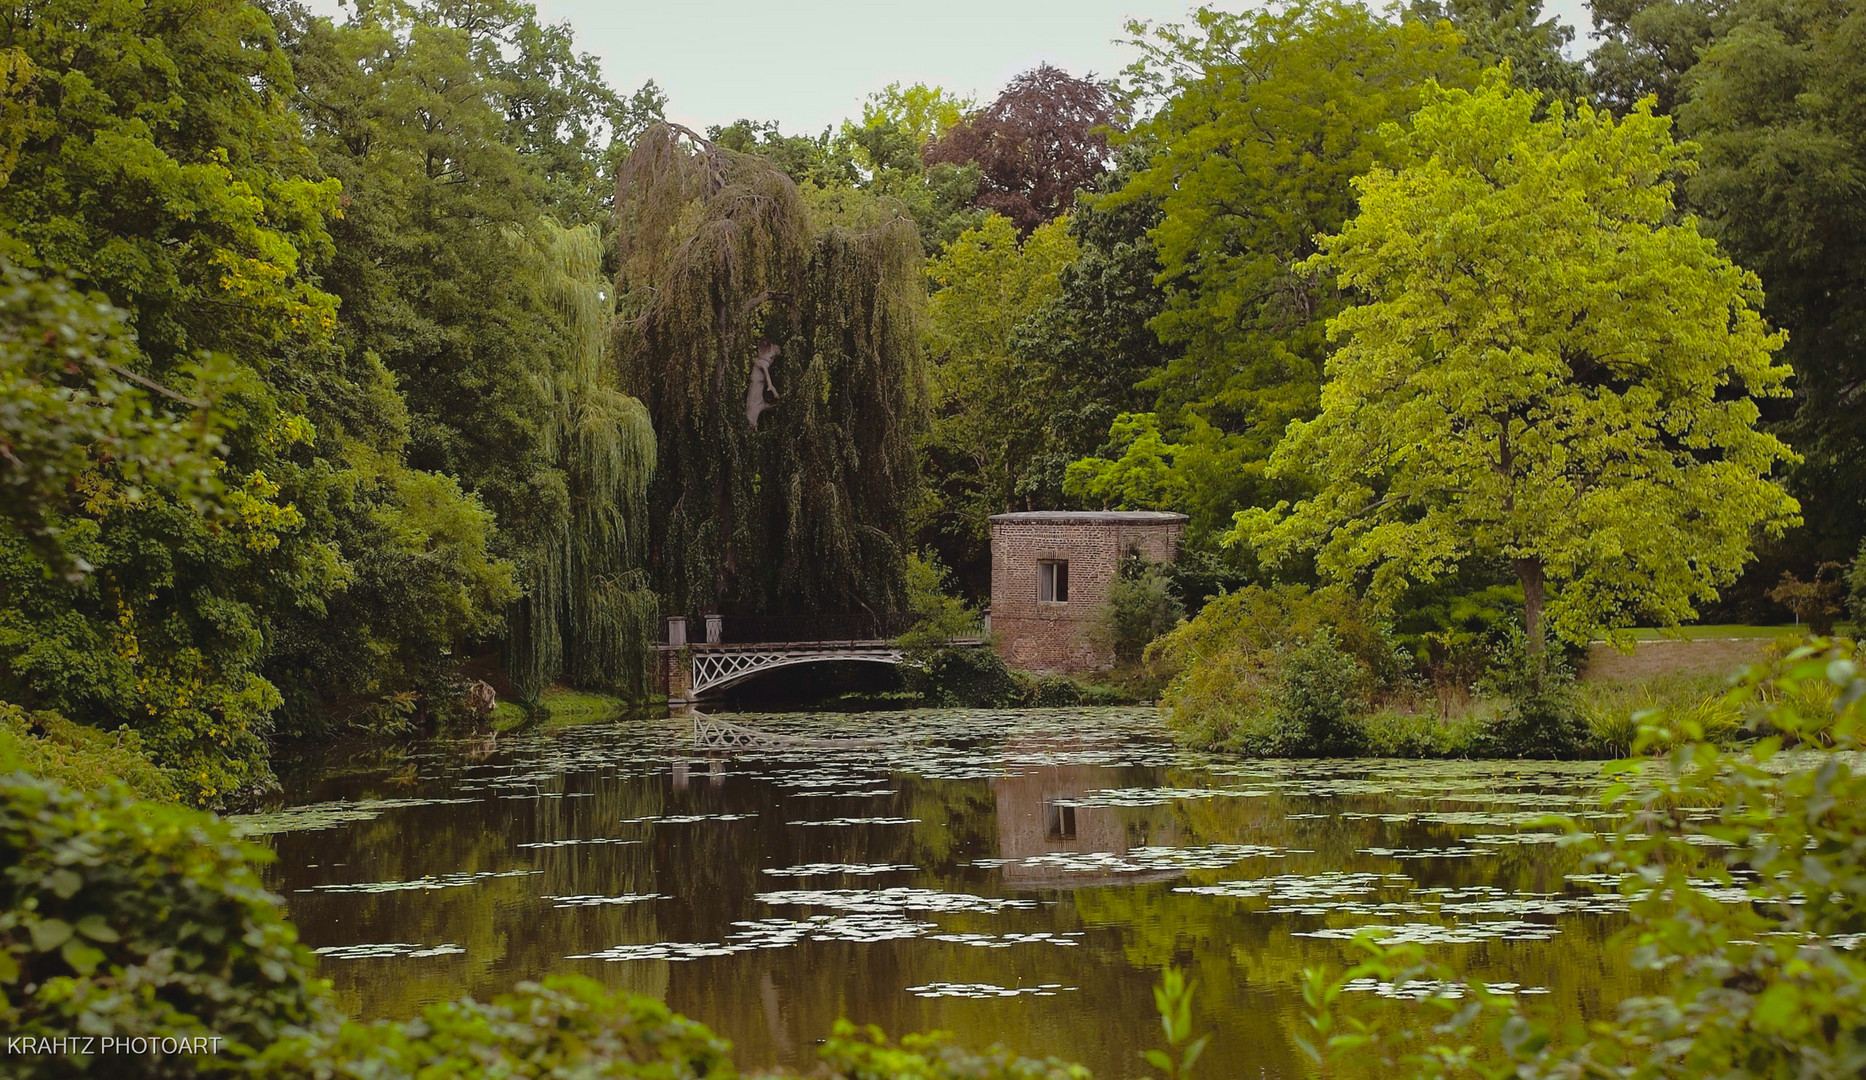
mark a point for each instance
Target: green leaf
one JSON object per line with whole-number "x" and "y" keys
{"x": 83, "y": 958}
{"x": 66, "y": 882}
{"x": 1159, "y": 1060}
{"x": 49, "y": 934}
{"x": 1776, "y": 1007}
{"x": 95, "y": 928}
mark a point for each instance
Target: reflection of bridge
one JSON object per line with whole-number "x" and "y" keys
{"x": 712, "y": 733}
{"x": 736, "y": 648}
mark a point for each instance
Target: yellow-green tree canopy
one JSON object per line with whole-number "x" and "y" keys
{"x": 1546, "y": 367}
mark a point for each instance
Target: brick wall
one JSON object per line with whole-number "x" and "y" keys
{"x": 1044, "y": 636}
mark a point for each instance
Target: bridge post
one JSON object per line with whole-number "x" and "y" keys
{"x": 677, "y": 673}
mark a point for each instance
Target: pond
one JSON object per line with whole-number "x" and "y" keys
{"x": 1008, "y": 876}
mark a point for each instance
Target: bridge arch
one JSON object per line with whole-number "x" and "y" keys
{"x": 740, "y": 648}
{"x": 712, "y": 672}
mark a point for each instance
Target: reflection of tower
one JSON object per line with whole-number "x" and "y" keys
{"x": 1036, "y": 816}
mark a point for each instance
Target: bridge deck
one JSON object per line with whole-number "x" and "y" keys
{"x": 796, "y": 646}
{"x": 699, "y": 668}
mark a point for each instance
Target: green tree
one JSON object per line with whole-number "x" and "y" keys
{"x": 1778, "y": 105}
{"x": 778, "y": 356}
{"x": 588, "y": 615}
{"x": 1646, "y": 47}
{"x": 1513, "y": 32}
{"x": 1094, "y": 341}
{"x": 153, "y": 161}
{"x": 990, "y": 406}
{"x": 1546, "y": 367}
{"x": 1262, "y": 121}
{"x": 69, "y": 400}
{"x": 458, "y": 131}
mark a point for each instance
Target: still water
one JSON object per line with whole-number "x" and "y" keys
{"x": 1015, "y": 877}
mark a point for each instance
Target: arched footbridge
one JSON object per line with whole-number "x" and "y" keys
{"x": 731, "y": 649}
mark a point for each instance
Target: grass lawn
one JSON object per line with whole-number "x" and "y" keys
{"x": 566, "y": 708}
{"x": 1700, "y": 633}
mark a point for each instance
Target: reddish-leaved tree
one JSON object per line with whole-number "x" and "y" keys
{"x": 1038, "y": 144}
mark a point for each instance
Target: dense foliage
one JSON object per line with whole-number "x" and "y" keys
{"x": 1577, "y": 400}
{"x": 1276, "y": 672}
{"x": 351, "y": 361}
{"x": 128, "y": 919}
{"x": 780, "y": 365}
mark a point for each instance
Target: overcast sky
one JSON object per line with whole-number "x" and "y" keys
{"x": 810, "y": 63}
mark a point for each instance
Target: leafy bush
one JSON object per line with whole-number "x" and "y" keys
{"x": 128, "y": 919}
{"x": 865, "y": 1053}
{"x": 1141, "y": 606}
{"x": 1542, "y": 716}
{"x": 963, "y": 677}
{"x": 1769, "y": 987}
{"x": 939, "y": 616}
{"x": 1319, "y": 700}
{"x": 1402, "y": 734}
{"x": 1232, "y": 664}
{"x": 1450, "y": 629}
{"x": 565, "y": 1026}
{"x": 51, "y": 747}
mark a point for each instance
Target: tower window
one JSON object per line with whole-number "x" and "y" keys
{"x": 1053, "y": 581}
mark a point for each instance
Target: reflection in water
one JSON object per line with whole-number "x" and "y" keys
{"x": 1014, "y": 876}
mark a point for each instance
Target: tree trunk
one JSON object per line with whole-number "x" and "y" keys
{"x": 1529, "y": 572}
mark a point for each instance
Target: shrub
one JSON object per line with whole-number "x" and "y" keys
{"x": 1450, "y": 629}
{"x": 962, "y": 677}
{"x": 939, "y": 616}
{"x": 48, "y": 746}
{"x": 1141, "y": 606}
{"x": 1395, "y": 734}
{"x": 129, "y": 919}
{"x": 1318, "y": 700}
{"x": 1230, "y": 663}
{"x": 865, "y": 1053}
{"x": 1542, "y": 716}
{"x": 565, "y": 1026}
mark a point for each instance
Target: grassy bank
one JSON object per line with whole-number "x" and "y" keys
{"x": 560, "y": 708}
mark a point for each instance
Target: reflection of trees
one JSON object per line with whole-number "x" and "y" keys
{"x": 775, "y": 1002}
{"x": 508, "y": 931}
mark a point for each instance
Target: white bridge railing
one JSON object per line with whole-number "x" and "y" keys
{"x": 716, "y": 667}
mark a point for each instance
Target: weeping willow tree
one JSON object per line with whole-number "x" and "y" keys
{"x": 842, "y": 451}
{"x": 780, "y": 364}
{"x": 588, "y": 614}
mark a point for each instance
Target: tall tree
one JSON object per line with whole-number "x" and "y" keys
{"x": 991, "y": 404}
{"x": 587, "y": 614}
{"x": 1514, "y": 32}
{"x": 153, "y": 160}
{"x": 780, "y": 365}
{"x": 1646, "y": 46}
{"x": 1546, "y": 367}
{"x": 1261, "y": 122}
{"x": 1043, "y": 139}
{"x": 1778, "y": 105}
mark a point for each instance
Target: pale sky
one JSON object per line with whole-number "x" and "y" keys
{"x": 810, "y": 63}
